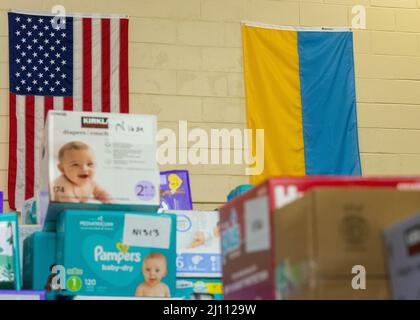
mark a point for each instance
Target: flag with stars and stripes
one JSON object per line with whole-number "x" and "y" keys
{"x": 66, "y": 63}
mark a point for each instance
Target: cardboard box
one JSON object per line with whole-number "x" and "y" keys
{"x": 175, "y": 190}
{"x": 38, "y": 257}
{"x": 117, "y": 253}
{"x": 98, "y": 161}
{"x": 402, "y": 242}
{"x": 199, "y": 289}
{"x": 278, "y": 253}
{"x": 287, "y": 189}
{"x": 25, "y": 231}
{"x": 198, "y": 244}
{"x": 10, "y": 277}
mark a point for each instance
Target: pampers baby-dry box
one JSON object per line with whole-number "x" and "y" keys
{"x": 198, "y": 244}
{"x": 98, "y": 161}
{"x": 117, "y": 253}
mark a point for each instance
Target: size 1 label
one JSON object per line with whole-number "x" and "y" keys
{"x": 257, "y": 225}
{"x": 147, "y": 231}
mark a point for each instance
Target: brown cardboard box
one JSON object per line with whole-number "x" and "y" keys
{"x": 341, "y": 289}
{"x": 320, "y": 237}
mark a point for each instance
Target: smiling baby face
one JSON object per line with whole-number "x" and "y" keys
{"x": 77, "y": 163}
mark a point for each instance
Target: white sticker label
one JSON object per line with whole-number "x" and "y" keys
{"x": 135, "y": 130}
{"x": 257, "y": 225}
{"x": 147, "y": 231}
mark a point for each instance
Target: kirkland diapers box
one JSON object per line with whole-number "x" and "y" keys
{"x": 175, "y": 191}
{"x": 100, "y": 161}
{"x": 199, "y": 289}
{"x": 308, "y": 248}
{"x": 402, "y": 242}
{"x": 117, "y": 253}
{"x": 198, "y": 244}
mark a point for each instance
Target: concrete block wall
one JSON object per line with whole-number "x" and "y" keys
{"x": 186, "y": 64}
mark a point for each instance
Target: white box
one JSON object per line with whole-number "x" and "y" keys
{"x": 198, "y": 244}
{"x": 402, "y": 242}
{"x": 98, "y": 161}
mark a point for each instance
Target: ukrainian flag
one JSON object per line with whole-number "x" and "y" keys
{"x": 300, "y": 89}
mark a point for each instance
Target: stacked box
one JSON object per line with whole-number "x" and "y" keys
{"x": 38, "y": 258}
{"x": 175, "y": 191}
{"x": 198, "y": 244}
{"x": 198, "y": 247}
{"x": 86, "y": 157}
{"x": 402, "y": 243}
{"x": 10, "y": 278}
{"x": 25, "y": 231}
{"x": 113, "y": 253}
{"x": 307, "y": 249}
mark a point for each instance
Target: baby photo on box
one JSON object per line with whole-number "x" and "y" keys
{"x": 198, "y": 244}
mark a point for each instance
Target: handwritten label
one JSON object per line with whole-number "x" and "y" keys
{"x": 126, "y": 130}
{"x": 147, "y": 231}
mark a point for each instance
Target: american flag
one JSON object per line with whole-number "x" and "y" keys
{"x": 72, "y": 63}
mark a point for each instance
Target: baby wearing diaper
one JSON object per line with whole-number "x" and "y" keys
{"x": 205, "y": 238}
{"x": 154, "y": 269}
{"x": 76, "y": 184}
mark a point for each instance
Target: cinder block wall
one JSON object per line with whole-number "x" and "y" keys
{"x": 186, "y": 64}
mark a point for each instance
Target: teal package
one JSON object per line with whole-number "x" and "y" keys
{"x": 199, "y": 289}
{"x": 117, "y": 253}
{"x": 10, "y": 278}
{"x": 38, "y": 258}
{"x": 239, "y": 190}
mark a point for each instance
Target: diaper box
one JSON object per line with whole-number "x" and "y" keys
{"x": 199, "y": 289}
{"x": 107, "y": 253}
{"x": 284, "y": 190}
{"x": 308, "y": 248}
{"x": 26, "y": 231}
{"x": 175, "y": 191}
{"x": 38, "y": 258}
{"x": 198, "y": 244}
{"x": 22, "y": 295}
{"x": 10, "y": 278}
{"x": 98, "y": 161}
{"x": 402, "y": 243}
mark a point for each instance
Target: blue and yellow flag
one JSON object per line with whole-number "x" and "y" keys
{"x": 300, "y": 89}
